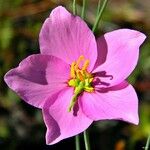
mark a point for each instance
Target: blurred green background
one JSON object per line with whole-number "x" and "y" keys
{"x": 21, "y": 125}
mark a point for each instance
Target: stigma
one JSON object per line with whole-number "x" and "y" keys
{"x": 80, "y": 79}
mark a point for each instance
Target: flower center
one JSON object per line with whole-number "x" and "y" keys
{"x": 81, "y": 79}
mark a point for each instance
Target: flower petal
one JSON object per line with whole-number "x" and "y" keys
{"x": 118, "y": 53}
{"x": 119, "y": 102}
{"x": 67, "y": 37}
{"x": 69, "y": 123}
{"x": 37, "y": 77}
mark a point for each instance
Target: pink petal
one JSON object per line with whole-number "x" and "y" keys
{"x": 68, "y": 123}
{"x": 37, "y": 77}
{"x": 67, "y": 37}
{"x": 118, "y": 53}
{"x": 119, "y": 102}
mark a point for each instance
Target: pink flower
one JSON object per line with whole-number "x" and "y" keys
{"x": 77, "y": 79}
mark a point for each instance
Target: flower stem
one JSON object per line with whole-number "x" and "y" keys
{"x": 83, "y": 9}
{"x": 86, "y": 140}
{"x": 77, "y": 141}
{"x": 102, "y": 8}
{"x": 74, "y": 7}
{"x": 98, "y": 8}
{"x": 147, "y": 143}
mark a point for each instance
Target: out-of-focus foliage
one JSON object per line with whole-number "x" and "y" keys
{"x": 21, "y": 126}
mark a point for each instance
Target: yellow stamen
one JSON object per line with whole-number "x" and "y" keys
{"x": 81, "y": 79}
{"x": 91, "y": 79}
{"x": 79, "y": 75}
{"x": 78, "y": 62}
{"x": 72, "y": 70}
{"x": 86, "y": 64}
{"x": 89, "y": 89}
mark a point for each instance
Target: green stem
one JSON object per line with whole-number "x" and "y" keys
{"x": 147, "y": 143}
{"x": 86, "y": 141}
{"x": 98, "y": 8}
{"x": 74, "y": 7}
{"x": 77, "y": 141}
{"x": 102, "y": 8}
{"x": 83, "y": 9}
